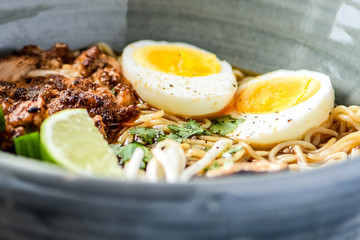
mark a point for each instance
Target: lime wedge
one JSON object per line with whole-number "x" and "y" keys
{"x": 70, "y": 139}
{"x": 2, "y": 120}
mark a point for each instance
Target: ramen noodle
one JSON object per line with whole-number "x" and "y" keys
{"x": 335, "y": 140}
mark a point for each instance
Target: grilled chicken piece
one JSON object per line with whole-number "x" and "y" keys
{"x": 84, "y": 93}
{"x": 254, "y": 166}
{"x": 14, "y": 68}
{"x": 93, "y": 59}
{"x": 26, "y": 113}
{"x": 54, "y": 58}
{"x": 107, "y": 77}
{"x": 57, "y": 81}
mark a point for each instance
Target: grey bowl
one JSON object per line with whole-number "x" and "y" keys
{"x": 42, "y": 201}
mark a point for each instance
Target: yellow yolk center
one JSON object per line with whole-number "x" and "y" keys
{"x": 177, "y": 60}
{"x": 276, "y": 95}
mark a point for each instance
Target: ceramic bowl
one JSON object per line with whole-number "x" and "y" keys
{"x": 42, "y": 201}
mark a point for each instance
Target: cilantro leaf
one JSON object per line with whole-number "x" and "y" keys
{"x": 113, "y": 92}
{"x": 215, "y": 165}
{"x": 174, "y": 137}
{"x": 147, "y": 135}
{"x": 225, "y": 124}
{"x": 231, "y": 151}
{"x": 2, "y": 120}
{"x": 186, "y": 130}
{"x": 235, "y": 149}
{"x": 124, "y": 153}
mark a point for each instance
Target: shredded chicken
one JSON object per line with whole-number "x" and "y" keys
{"x": 14, "y": 68}
{"x": 254, "y": 166}
{"x": 35, "y": 84}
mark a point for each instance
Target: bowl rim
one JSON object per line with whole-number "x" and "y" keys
{"x": 285, "y": 182}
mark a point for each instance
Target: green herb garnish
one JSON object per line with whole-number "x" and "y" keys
{"x": 172, "y": 136}
{"x": 125, "y": 152}
{"x": 186, "y": 130}
{"x": 2, "y": 120}
{"x": 148, "y": 135}
{"x": 215, "y": 165}
{"x": 225, "y": 124}
{"x": 113, "y": 92}
{"x": 235, "y": 149}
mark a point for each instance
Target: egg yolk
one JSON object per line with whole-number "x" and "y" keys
{"x": 276, "y": 95}
{"x": 177, "y": 60}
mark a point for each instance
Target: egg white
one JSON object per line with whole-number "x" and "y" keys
{"x": 292, "y": 123}
{"x": 186, "y": 96}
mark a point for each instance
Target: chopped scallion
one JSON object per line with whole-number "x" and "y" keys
{"x": 28, "y": 145}
{"x": 2, "y": 120}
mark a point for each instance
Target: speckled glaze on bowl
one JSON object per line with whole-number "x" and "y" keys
{"x": 42, "y": 201}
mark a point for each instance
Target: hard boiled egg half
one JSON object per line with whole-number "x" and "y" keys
{"x": 179, "y": 78}
{"x": 281, "y": 105}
